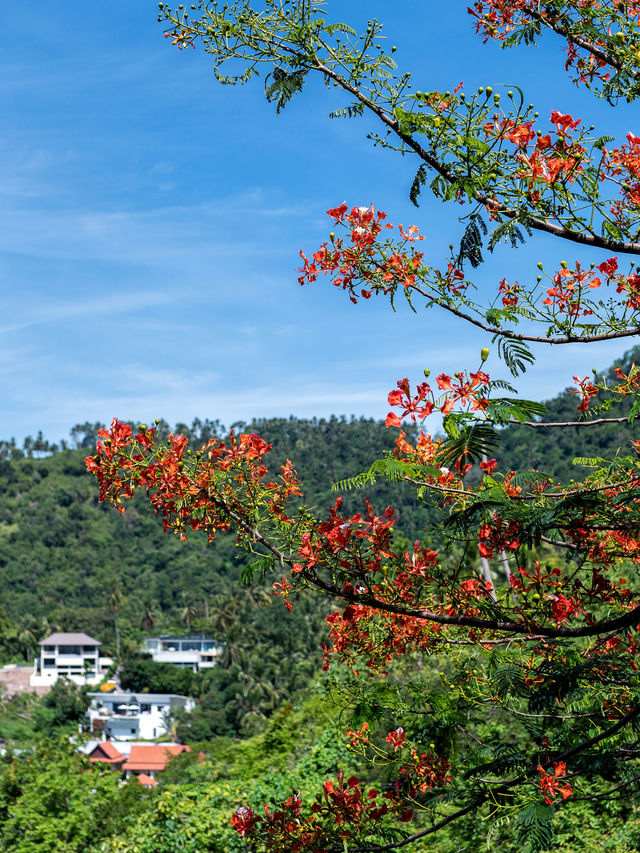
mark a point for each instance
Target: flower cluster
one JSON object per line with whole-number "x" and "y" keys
{"x": 465, "y": 389}
{"x": 360, "y": 258}
{"x": 343, "y": 812}
{"x": 623, "y": 164}
{"x": 586, "y": 391}
{"x": 583, "y": 23}
{"x": 551, "y": 784}
{"x": 547, "y": 158}
{"x": 207, "y": 490}
{"x": 498, "y": 536}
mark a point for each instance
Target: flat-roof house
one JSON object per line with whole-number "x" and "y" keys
{"x": 195, "y": 651}
{"x": 75, "y": 656}
{"x": 134, "y": 716}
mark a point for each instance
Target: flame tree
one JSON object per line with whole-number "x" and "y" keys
{"x": 538, "y": 620}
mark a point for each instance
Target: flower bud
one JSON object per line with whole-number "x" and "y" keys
{"x": 563, "y": 264}
{"x": 484, "y": 353}
{"x": 539, "y": 265}
{"x": 427, "y": 373}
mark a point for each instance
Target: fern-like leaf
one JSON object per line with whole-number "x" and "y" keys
{"x": 416, "y": 186}
{"x": 515, "y": 354}
{"x": 471, "y": 243}
{"x": 283, "y": 86}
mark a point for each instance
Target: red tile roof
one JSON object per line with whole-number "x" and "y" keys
{"x": 147, "y": 781}
{"x": 152, "y": 757}
{"x": 106, "y": 752}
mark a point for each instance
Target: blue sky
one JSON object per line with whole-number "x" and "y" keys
{"x": 150, "y": 223}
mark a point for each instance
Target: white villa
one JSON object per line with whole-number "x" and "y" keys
{"x": 196, "y": 651}
{"x": 134, "y": 716}
{"x": 74, "y": 656}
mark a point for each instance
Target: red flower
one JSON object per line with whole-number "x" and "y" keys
{"x": 415, "y": 407}
{"x": 244, "y": 820}
{"x": 564, "y": 122}
{"x": 549, "y": 784}
{"x": 396, "y": 738}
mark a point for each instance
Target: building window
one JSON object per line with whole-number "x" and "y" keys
{"x": 70, "y": 650}
{"x": 49, "y": 662}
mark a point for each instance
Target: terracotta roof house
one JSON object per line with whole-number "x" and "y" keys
{"x": 106, "y": 753}
{"x": 146, "y": 781}
{"x": 151, "y": 759}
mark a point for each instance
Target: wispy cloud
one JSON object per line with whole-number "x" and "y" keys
{"x": 103, "y": 306}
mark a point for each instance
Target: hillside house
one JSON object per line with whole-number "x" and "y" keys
{"x": 134, "y": 716}
{"x": 105, "y": 752}
{"x": 74, "y": 656}
{"x": 143, "y": 761}
{"x": 151, "y": 759}
{"x": 195, "y": 651}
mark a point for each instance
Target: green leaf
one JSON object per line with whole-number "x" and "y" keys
{"x": 507, "y": 231}
{"x": 596, "y": 462}
{"x": 471, "y": 242}
{"x": 515, "y": 354}
{"x": 602, "y": 141}
{"x": 503, "y": 410}
{"x": 283, "y": 86}
{"x": 634, "y": 412}
{"x": 535, "y": 827}
{"x": 416, "y": 186}
{"x": 261, "y": 567}
{"x": 470, "y": 445}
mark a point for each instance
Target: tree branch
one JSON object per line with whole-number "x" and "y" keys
{"x": 519, "y": 336}
{"x": 534, "y": 222}
{"x": 598, "y": 52}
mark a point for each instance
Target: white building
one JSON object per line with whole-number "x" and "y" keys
{"x": 196, "y": 651}
{"x": 134, "y": 716}
{"x": 74, "y": 656}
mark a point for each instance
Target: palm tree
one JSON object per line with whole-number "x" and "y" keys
{"x": 149, "y": 617}
{"x": 115, "y": 600}
{"x": 28, "y": 639}
{"x": 189, "y": 611}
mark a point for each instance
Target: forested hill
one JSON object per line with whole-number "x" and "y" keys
{"x": 69, "y": 563}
